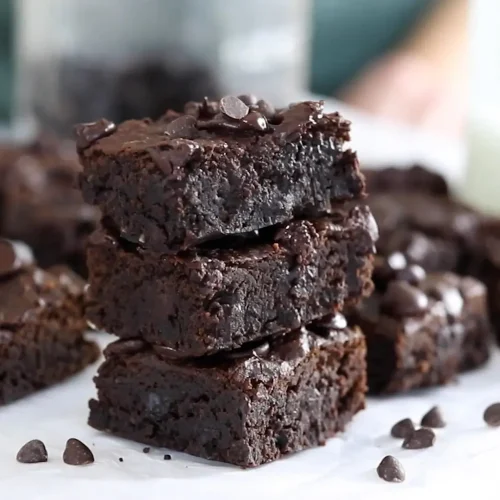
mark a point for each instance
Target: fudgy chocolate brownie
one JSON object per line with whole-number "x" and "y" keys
{"x": 245, "y": 407}
{"x": 421, "y": 330}
{"x": 221, "y": 168}
{"x": 40, "y": 205}
{"x": 436, "y": 233}
{"x": 488, "y": 267}
{"x": 212, "y": 299}
{"x": 41, "y": 324}
{"x": 414, "y": 179}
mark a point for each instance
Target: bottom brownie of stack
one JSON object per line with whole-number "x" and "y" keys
{"x": 246, "y": 407}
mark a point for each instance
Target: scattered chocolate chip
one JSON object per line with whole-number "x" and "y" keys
{"x": 14, "y": 256}
{"x": 119, "y": 347}
{"x": 33, "y": 452}
{"x": 402, "y": 299}
{"x": 167, "y": 457}
{"x": 402, "y": 429}
{"x": 492, "y": 415}
{"x": 233, "y": 107}
{"x": 88, "y": 133}
{"x": 147, "y": 449}
{"x": 77, "y": 453}
{"x": 433, "y": 418}
{"x": 120, "y": 459}
{"x": 182, "y": 127}
{"x": 412, "y": 274}
{"x": 391, "y": 470}
{"x": 421, "y": 438}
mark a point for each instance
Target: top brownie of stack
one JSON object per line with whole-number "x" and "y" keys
{"x": 223, "y": 167}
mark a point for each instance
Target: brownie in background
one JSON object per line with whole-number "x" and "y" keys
{"x": 41, "y": 205}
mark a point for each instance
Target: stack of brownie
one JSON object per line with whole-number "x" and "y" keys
{"x": 428, "y": 318}
{"x": 230, "y": 243}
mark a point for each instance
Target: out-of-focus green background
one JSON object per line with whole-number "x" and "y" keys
{"x": 347, "y": 34}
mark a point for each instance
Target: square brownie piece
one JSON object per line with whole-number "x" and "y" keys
{"x": 42, "y": 324}
{"x": 218, "y": 169}
{"x": 40, "y": 205}
{"x": 422, "y": 330}
{"x": 213, "y": 299}
{"x": 245, "y": 407}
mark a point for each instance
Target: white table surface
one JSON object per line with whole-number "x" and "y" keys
{"x": 466, "y": 453}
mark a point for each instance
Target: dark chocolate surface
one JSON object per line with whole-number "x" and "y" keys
{"x": 221, "y": 168}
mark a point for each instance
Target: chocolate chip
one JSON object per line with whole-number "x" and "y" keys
{"x": 402, "y": 299}
{"x": 77, "y": 453}
{"x": 87, "y": 134}
{"x": 412, "y": 274}
{"x": 262, "y": 350}
{"x": 120, "y": 459}
{"x": 391, "y": 470}
{"x": 182, "y": 127}
{"x": 14, "y": 256}
{"x": 492, "y": 415}
{"x": 402, "y": 429}
{"x": 167, "y": 457}
{"x": 119, "y": 347}
{"x": 255, "y": 121}
{"x": 449, "y": 295}
{"x": 248, "y": 99}
{"x": 147, "y": 449}
{"x": 433, "y": 418}
{"x": 233, "y": 107}
{"x": 419, "y": 439}
{"x": 33, "y": 452}
{"x": 266, "y": 108}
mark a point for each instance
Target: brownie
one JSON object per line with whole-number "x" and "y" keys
{"x": 246, "y": 407}
{"x": 437, "y": 233}
{"x": 218, "y": 169}
{"x": 412, "y": 179}
{"x": 40, "y": 205}
{"x": 421, "y": 330}
{"x": 218, "y": 298}
{"x": 41, "y": 324}
{"x": 488, "y": 267}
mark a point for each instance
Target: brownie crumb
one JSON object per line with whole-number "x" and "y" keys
{"x": 147, "y": 449}
{"x": 391, "y": 470}
{"x": 492, "y": 415}
{"x": 433, "y": 418}
{"x": 120, "y": 459}
{"x": 167, "y": 457}
{"x": 33, "y": 452}
{"x": 419, "y": 439}
{"x": 77, "y": 453}
{"x": 403, "y": 428}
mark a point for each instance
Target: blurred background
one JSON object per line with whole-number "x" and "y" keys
{"x": 398, "y": 69}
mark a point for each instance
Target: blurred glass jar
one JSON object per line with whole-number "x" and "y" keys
{"x": 80, "y": 60}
